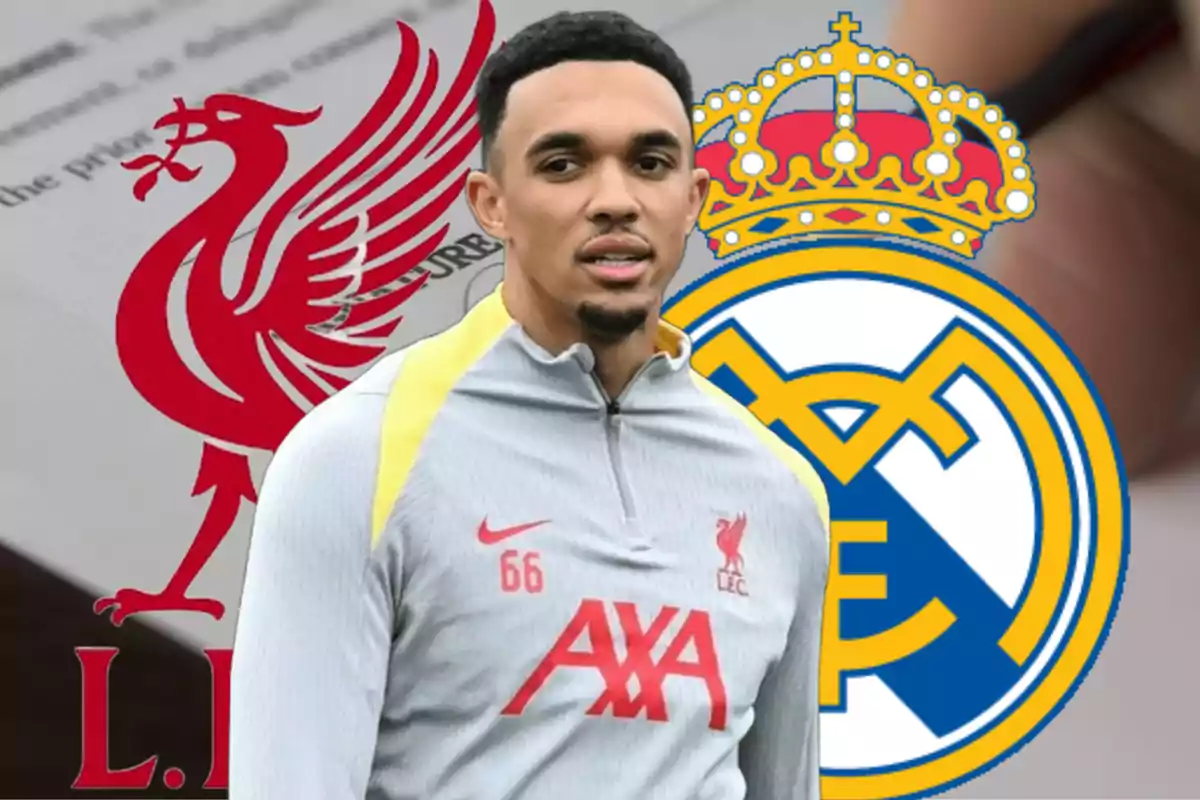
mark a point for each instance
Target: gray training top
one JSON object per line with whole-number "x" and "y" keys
{"x": 472, "y": 575}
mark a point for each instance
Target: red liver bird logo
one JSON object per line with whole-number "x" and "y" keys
{"x": 729, "y": 542}
{"x": 278, "y": 343}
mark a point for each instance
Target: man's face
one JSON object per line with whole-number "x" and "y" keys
{"x": 595, "y": 191}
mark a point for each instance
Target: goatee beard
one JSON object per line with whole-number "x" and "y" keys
{"x": 608, "y": 326}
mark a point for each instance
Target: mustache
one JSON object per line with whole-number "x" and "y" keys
{"x": 625, "y": 233}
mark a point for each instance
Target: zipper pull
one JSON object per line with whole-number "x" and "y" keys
{"x": 614, "y": 408}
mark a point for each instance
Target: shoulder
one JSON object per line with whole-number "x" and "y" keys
{"x": 328, "y": 465}
{"x": 340, "y": 431}
{"x": 432, "y": 366}
{"x": 797, "y": 465}
{"x": 389, "y": 411}
{"x": 357, "y": 448}
{"x": 402, "y": 391}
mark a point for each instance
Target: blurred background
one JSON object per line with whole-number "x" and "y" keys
{"x": 96, "y": 485}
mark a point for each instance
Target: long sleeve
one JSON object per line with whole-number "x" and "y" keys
{"x": 314, "y": 631}
{"x": 780, "y": 755}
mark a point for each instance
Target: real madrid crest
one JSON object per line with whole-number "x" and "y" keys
{"x": 979, "y": 507}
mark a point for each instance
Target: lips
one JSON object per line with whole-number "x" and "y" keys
{"x": 612, "y": 259}
{"x": 615, "y": 252}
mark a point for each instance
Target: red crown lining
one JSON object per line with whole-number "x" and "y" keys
{"x": 884, "y": 132}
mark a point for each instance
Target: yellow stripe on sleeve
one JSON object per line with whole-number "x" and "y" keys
{"x": 429, "y": 372}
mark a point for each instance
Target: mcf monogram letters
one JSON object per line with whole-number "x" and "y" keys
{"x": 909, "y": 400}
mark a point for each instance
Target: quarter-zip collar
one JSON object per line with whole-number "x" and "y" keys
{"x": 667, "y": 366}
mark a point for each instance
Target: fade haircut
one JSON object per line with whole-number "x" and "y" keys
{"x": 571, "y": 36}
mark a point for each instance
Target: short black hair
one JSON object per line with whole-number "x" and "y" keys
{"x": 571, "y": 36}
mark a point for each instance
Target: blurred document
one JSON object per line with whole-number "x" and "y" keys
{"x": 94, "y": 481}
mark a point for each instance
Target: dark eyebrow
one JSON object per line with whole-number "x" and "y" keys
{"x": 558, "y": 140}
{"x": 565, "y": 140}
{"x": 662, "y": 140}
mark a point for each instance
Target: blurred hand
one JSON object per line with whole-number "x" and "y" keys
{"x": 1111, "y": 256}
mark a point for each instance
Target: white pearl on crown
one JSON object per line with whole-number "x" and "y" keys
{"x": 958, "y": 237}
{"x": 739, "y": 137}
{"x": 768, "y": 80}
{"x": 755, "y": 96}
{"x": 715, "y": 103}
{"x": 806, "y": 61}
{"x": 698, "y": 115}
{"x": 845, "y": 120}
{"x": 845, "y": 152}
{"x": 753, "y": 163}
{"x": 883, "y": 217}
{"x": 1017, "y": 202}
{"x": 806, "y": 217}
{"x": 787, "y": 68}
{"x": 1020, "y": 173}
{"x": 731, "y": 237}
{"x": 735, "y": 95}
{"x": 864, "y": 57}
{"x": 827, "y": 58}
{"x": 845, "y": 98}
{"x": 744, "y": 116}
{"x": 937, "y": 163}
{"x": 921, "y": 81}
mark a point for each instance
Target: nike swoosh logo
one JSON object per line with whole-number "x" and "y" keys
{"x": 489, "y": 536}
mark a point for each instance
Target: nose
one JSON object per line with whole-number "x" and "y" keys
{"x": 613, "y": 200}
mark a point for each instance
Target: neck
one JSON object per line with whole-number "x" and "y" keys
{"x": 556, "y": 329}
{"x": 616, "y": 364}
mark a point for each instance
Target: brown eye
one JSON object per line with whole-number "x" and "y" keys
{"x": 558, "y": 166}
{"x": 653, "y": 164}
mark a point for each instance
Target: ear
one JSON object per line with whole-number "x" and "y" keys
{"x": 700, "y": 183}
{"x": 487, "y": 203}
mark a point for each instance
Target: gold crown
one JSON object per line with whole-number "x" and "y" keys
{"x": 881, "y": 173}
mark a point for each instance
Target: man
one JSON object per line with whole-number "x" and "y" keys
{"x": 536, "y": 556}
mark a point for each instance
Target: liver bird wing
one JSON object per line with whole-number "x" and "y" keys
{"x": 347, "y": 245}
